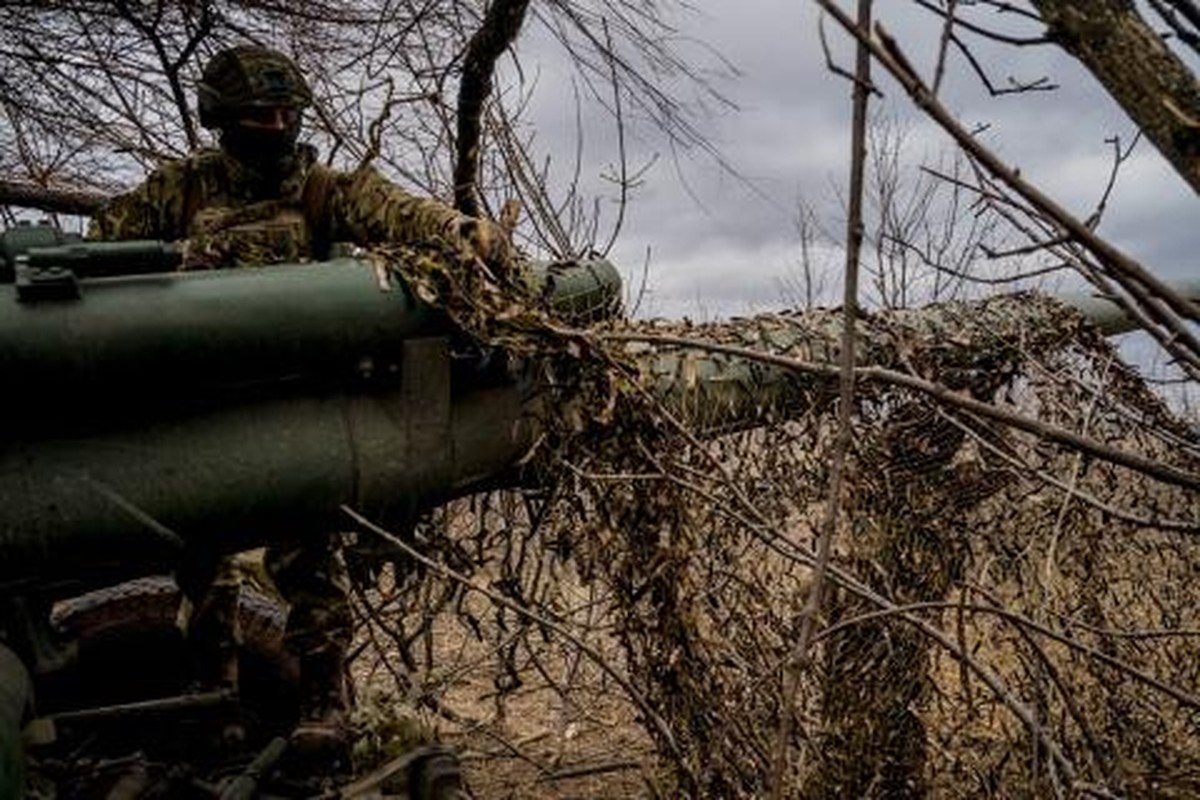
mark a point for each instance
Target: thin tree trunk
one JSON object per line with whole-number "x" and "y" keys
{"x": 499, "y": 30}
{"x": 1154, "y": 87}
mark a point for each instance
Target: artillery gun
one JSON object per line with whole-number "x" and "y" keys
{"x": 149, "y": 409}
{"x": 161, "y": 408}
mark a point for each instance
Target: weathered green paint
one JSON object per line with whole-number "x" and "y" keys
{"x": 239, "y": 406}
{"x": 140, "y": 346}
{"x": 98, "y": 500}
{"x": 583, "y": 291}
{"x": 16, "y": 695}
{"x": 95, "y": 508}
{"x": 143, "y": 341}
{"x": 102, "y": 259}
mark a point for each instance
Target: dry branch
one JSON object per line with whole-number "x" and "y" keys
{"x": 496, "y": 34}
{"x": 1159, "y": 301}
{"x": 23, "y": 194}
{"x": 702, "y": 531}
{"x": 1137, "y": 68}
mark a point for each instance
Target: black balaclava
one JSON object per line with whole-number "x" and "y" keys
{"x": 269, "y": 154}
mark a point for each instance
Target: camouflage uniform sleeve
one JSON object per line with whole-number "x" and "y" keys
{"x": 368, "y": 208}
{"x": 151, "y": 210}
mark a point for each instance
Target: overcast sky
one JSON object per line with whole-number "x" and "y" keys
{"x": 721, "y": 244}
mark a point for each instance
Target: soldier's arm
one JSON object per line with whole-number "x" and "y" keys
{"x": 370, "y": 209}
{"x": 150, "y": 210}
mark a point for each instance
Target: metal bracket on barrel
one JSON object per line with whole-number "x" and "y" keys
{"x": 34, "y": 284}
{"x": 425, "y": 387}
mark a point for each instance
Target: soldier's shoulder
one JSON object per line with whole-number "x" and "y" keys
{"x": 207, "y": 159}
{"x": 177, "y": 170}
{"x": 366, "y": 182}
{"x": 309, "y": 162}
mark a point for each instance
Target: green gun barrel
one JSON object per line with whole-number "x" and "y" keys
{"x": 117, "y": 500}
{"x": 1110, "y": 318}
{"x": 141, "y": 342}
{"x": 142, "y": 345}
{"x": 120, "y": 504}
{"x": 98, "y": 493}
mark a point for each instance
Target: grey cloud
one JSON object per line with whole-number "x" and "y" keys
{"x": 731, "y": 249}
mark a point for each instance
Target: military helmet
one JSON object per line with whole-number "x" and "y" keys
{"x": 249, "y": 75}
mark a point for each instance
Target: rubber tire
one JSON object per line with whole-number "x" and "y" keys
{"x": 129, "y": 648}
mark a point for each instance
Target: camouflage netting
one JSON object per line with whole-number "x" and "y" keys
{"x": 1008, "y": 616}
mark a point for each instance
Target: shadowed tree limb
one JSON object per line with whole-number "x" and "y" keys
{"x": 500, "y": 27}
{"x": 1150, "y": 82}
{"x": 53, "y": 200}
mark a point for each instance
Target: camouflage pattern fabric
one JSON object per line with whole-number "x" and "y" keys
{"x": 230, "y": 215}
{"x": 208, "y": 617}
{"x": 234, "y": 238}
{"x": 249, "y": 75}
{"x": 310, "y": 575}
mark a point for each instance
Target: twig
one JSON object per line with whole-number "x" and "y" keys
{"x": 795, "y": 667}
{"x": 1019, "y": 41}
{"x": 1077, "y": 466}
{"x": 584, "y": 772}
{"x": 908, "y": 613}
{"x": 622, "y": 158}
{"x": 950, "y": 17}
{"x": 1152, "y": 294}
{"x": 1113, "y": 511}
{"x": 597, "y": 658}
{"x": 782, "y": 544}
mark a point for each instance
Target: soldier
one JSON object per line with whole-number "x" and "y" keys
{"x": 262, "y": 198}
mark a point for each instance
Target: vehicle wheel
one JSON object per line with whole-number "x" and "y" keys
{"x": 129, "y": 649}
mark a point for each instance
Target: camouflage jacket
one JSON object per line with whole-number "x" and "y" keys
{"x": 211, "y": 202}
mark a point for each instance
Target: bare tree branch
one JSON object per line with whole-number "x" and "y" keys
{"x": 799, "y": 660}
{"x": 1159, "y": 300}
{"x": 54, "y": 200}
{"x": 498, "y": 31}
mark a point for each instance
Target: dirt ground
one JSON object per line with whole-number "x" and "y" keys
{"x": 564, "y": 731}
{"x": 531, "y": 753}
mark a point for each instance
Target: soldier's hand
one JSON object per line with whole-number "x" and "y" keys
{"x": 489, "y": 241}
